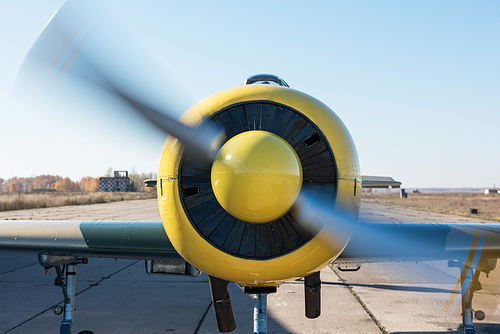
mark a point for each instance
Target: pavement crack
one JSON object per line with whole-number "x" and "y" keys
{"x": 76, "y": 294}
{"x": 13, "y": 270}
{"x": 360, "y": 301}
{"x": 202, "y": 319}
{"x": 106, "y": 277}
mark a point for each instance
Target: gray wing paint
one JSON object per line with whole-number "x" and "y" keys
{"x": 132, "y": 239}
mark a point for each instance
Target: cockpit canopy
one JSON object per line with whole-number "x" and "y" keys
{"x": 266, "y": 79}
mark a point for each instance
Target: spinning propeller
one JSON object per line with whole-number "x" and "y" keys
{"x": 259, "y": 182}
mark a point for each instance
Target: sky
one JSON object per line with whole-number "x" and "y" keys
{"x": 417, "y": 83}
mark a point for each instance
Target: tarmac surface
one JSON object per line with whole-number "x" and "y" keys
{"x": 119, "y": 297}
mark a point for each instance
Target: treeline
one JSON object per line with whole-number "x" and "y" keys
{"x": 57, "y": 183}
{"x": 40, "y": 183}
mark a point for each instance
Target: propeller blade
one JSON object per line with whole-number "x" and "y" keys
{"x": 202, "y": 145}
{"x": 316, "y": 214}
{"x": 76, "y": 44}
{"x": 388, "y": 241}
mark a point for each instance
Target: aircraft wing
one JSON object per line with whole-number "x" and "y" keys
{"x": 148, "y": 240}
{"x": 379, "y": 182}
{"x": 115, "y": 239}
{"x": 420, "y": 242}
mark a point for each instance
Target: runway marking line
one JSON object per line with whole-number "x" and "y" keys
{"x": 363, "y": 305}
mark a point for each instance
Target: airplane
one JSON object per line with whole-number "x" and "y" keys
{"x": 257, "y": 184}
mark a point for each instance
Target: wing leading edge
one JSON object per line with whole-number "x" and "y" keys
{"x": 127, "y": 239}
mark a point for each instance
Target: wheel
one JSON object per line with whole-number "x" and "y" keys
{"x": 479, "y": 315}
{"x": 57, "y": 310}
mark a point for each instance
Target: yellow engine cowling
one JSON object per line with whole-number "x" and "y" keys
{"x": 258, "y": 254}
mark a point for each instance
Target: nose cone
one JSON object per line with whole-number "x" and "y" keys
{"x": 256, "y": 176}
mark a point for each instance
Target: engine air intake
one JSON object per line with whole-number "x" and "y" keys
{"x": 261, "y": 239}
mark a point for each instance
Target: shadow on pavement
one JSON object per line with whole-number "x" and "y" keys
{"x": 394, "y": 287}
{"x": 480, "y": 329}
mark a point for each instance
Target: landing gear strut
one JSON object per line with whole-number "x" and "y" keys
{"x": 260, "y": 313}
{"x": 65, "y": 266}
{"x": 469, "y": 283}
{"x": 260, "y": 307}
